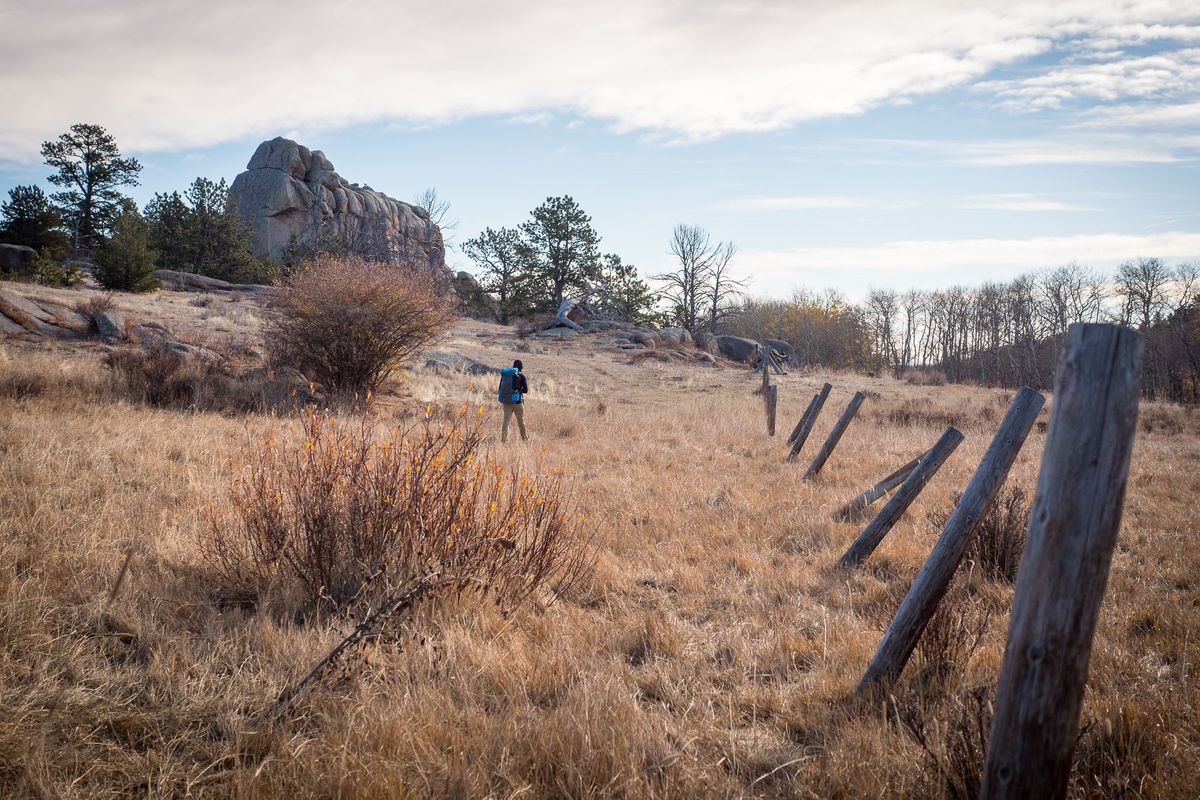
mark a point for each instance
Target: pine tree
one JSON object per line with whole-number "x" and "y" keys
{"x": 125, "y": 261}
{"x": 91, "y": 170}
{"x": 561, "y": 248}
{"x": 29, "y": 219}
{"x": 624, "y": 295}
{"x": 503, "y": 270}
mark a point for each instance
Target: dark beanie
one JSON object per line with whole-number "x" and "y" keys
{"x": 518, "y": 364}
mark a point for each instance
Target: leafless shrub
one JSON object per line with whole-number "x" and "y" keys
{"x": 159, "y": 375}
{"x": 924, "y": 376}
{"x": 999, "y": 539}
{"x": 953, "y": 737}
{"x": 343, "y": 515}
{"x": 912, "y": 413}
{"x": 96, "y": 305}
{"x": 347, "y": 323}
{"x": 953, "y": 634}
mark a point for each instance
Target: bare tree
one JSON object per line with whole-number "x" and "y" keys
{"x": 881, "y": 310}
{"x": 439, "y": 214}
{"x": 691, "y": 286}
{"x": 1142, "y": 286}
{"x": 721, "y": 290}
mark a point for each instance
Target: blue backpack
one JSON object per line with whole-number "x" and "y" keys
{"x": 508, "y": 381}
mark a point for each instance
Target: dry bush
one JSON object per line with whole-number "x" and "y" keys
{"x": 342, "y": 513}
{"x": 96, "y": 305}
{"x": 156, "y": 374}
{"x": 953, "y": 737}
{"x": 347, "y": 323}
{"x": 914, "y": 413}
{"x": 999, "y": 538}
{"x": 923, "y": 376}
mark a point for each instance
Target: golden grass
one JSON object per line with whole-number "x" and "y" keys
{"x": 709, "y": 655}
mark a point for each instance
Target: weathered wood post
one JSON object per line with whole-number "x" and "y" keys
{"x": 877, "y": 491}
{"x": 805, "y": 425}
{"x": 934, "y": 578}
{"x": 1072, "y": 530}
{"x": 772, "y": 402}
{"x": 835, "y": 435}
{"x": 890, "y": 514}
{"x": 764, "y": 360}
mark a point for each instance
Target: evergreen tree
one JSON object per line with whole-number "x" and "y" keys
{"x": 125, "y": 260}
{"x": 170, "y": 230}
{"x": 201, "y": 232}
{"x": 91, "y": 171}
{"x": 29, "y": 219}
{"x": 503, "y": 269}
{"x": 624, "y": 295}
{"x": 561, "y": 249}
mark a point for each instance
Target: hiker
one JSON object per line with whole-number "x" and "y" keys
{"x": 512, "y": 388}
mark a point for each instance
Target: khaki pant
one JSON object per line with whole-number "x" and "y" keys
{"x": 511, "y": 410}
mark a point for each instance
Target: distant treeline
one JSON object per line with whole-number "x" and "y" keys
{"x": 1004, "y": 334}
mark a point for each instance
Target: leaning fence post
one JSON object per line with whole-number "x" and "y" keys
{"x": 772, "y": 402}
{"x": 835, "y": 435}
{"x": 934, "y": 578}
{"x": 805, "y": 425}
{"x": 879, "y": 489}
{"x": 890, "y": 514}
{"x": 1072, "y": 530}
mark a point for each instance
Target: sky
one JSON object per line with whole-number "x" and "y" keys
{"x": 842, "y": 146}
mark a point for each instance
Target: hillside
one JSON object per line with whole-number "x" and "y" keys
{"x": 709, "y": 653}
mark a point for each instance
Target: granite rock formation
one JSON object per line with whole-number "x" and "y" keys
{"x": 292, "y": 196}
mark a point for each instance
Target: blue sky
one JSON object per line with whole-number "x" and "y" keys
{"x": 870, "y": 144}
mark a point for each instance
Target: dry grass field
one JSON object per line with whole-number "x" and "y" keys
{"x": 709, "y": 653}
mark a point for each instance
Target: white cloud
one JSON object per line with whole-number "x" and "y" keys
{"x": 1019, "y": 202}
{"x": 939, "y": 263}
{"x": 798, "y": 202}
{"x": 1161, "y": 75}
{"x": 174, "y": 75}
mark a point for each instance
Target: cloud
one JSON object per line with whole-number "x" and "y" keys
{"x": 1161, "y": 75}
{"x": 179, "y": 75}
{"x": 938, "y": 263}
{"x": 1019, "y": 202}
{"x": 797, "y": 202}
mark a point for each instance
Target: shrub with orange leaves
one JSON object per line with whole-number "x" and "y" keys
{"x": 339, "y": 513}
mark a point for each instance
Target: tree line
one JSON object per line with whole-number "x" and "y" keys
{"x": 91, "y": 219}
{"x": 1000, "y": 333}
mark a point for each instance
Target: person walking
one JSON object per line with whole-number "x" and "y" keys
{"x": 512, "y": 389}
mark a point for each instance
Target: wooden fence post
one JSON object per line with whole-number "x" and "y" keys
{"x": 835, "y": 435}
{"x": 890, "y": 514}
{"x": 764, "y": 359}
{"x": 805, "y": 425}
{"x": 934, "y": 578}
{"x": 772, "y": 402}
{"x": 877, "y": 491}
{"x": 1072, "y": 530}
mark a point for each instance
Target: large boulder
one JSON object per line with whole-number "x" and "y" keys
{"x": 782, "y": 347}
{"x": 17, "y": 258}
{"x": 735, "y": 348}
{"x": 675, "y": 337}
{"x": 453, "y": 362}
{"x": 707, "y": 342}
{"x": 290, "y": 194}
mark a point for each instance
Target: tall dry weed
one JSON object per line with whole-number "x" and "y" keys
{"x": 338, "y": 513}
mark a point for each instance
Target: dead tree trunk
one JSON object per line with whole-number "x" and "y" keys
{"x": 805, "y": 425}
{"x": 890, "y": 514}
{"x": 934, "y": 578}
{"x": 858, "y": 504}
{"x": 1072, "y": 530}
{"x": 835, "y": 435}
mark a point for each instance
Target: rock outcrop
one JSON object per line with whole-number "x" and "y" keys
{"x": 24, "y": 318}
{"x": 290, "y": 194}
{"x": 17, "y": 258}
{"x": 735, "y": 348}
{"x": 191, "y": 282}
